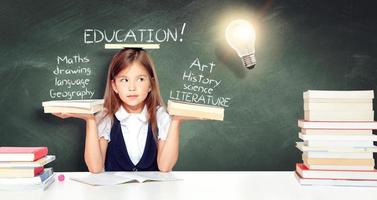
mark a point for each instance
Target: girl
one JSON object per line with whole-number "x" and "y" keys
{"x": 134, "y": 132}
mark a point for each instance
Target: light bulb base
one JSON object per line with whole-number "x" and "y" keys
{"x": 249, "y": 61}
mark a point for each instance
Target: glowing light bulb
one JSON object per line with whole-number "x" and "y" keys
{"x": 240, "y": 35}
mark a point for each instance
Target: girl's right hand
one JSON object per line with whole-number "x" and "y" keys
{"x": 85, "y": 117}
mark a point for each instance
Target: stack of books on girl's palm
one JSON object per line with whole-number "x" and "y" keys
{"x": 337, "y": 134}
{"x": 85, "y": 106}
{"x": 195, "y": 110}
{"x": 23, "y": 168}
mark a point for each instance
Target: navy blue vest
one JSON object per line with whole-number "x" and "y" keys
{"x": 117, "y": 158}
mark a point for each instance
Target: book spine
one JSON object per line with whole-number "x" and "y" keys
{"x": 40, "y": 153}
{"x": 38, "y": 170}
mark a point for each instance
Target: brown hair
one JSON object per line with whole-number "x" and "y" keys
{"x": 121, "y": 60}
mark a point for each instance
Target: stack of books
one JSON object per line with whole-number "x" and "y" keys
{"x": 23, "y": 168}
{"x": 86, "y": 106}
{"x": 338, "y": 139}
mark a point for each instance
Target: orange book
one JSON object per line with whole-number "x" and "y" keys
{"x": 22, "y": 153}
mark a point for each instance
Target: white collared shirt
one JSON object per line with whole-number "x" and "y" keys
{"x": 135, "y": 129}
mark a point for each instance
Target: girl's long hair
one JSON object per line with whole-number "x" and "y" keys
{"x": 122, "y": 60}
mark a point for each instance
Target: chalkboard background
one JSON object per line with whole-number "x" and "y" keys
{"x": 300, "y": 45}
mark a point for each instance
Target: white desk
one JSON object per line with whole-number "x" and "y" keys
{"x": 199, "y": 185}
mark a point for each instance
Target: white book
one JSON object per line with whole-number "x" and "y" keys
{"x": 337, "y": 100}
{"x": 337, "y": 125}
{"x": 338, "y": 106}
{"x": 335, "y": 132}
{"x": 335, "y": 182}
{"x": 301, "y": 146}
{"x": 339, "y": 115}
{"x": 336, "y": 94}
{"x": 313, "y": 154}
{"x": 338, "y": 137}
{"x": 333, "y": 143}
{"x": 121, "y": 46}
{"x": 88, "y": 106}
{"x": 86, "y": 103}
{"x": 20, "y": 187}
{"x": 38, "y": 163}
{"x": 115, "y": 178}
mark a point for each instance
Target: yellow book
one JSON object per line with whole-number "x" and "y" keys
{"x": 336, "y": 161}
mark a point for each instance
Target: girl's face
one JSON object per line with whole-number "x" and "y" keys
{"x": 132, "y": 84}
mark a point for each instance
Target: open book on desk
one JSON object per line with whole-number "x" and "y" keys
{"x": 115, "y": 178}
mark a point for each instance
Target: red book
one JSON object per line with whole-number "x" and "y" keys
{"x": 22, "y": 153}
{"x": 305, "y": 172}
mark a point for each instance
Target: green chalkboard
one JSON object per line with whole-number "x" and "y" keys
{"x": 55, "y": 50}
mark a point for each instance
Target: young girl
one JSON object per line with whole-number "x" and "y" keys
{"x": 134, "y": 132}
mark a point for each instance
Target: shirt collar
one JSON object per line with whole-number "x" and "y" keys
{"x": 123, "y": 115}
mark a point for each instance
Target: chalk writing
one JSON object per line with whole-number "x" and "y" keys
{"x": 199, "y": 87}
{"x": 147, "y": 35}
{"x": 71, "y": 78}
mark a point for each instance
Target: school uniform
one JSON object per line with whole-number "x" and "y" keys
{"x": 132, "y": 146}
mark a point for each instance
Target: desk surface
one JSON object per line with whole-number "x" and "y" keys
{"x": 199, "y": 185}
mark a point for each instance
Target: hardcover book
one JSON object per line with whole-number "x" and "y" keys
{"x": 304, "y": 172}
{"x": 192, "y": 110}
{"x": 88, "y": 106}
{"x": 22, "y": 153}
